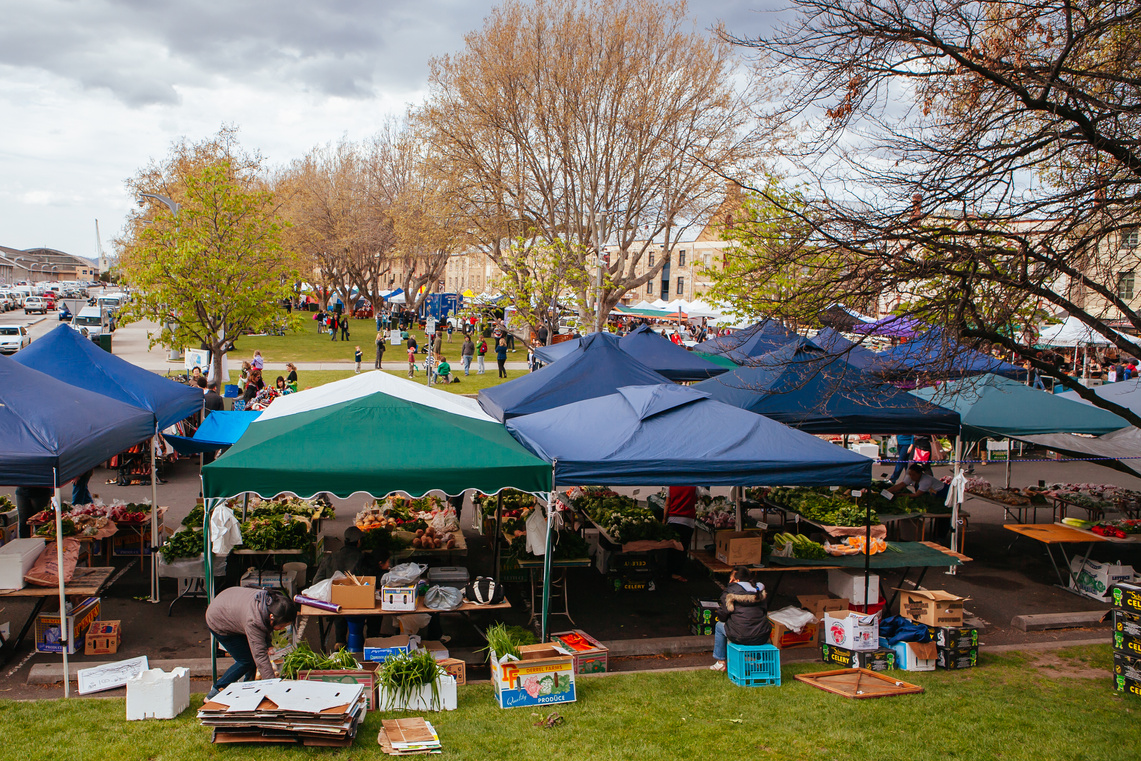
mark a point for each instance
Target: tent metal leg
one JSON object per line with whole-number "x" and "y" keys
{"x": 9, "y": 648}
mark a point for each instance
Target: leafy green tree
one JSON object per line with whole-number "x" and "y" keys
{"x": 541, "y": 275}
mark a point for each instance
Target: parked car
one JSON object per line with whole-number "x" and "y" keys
{"x": 13, "y": 338}
{"x": 6, "y": 302}
{"x": 89, "y": 321}
{"x": 49, "y": 297}
{"x": 35, "y": 304}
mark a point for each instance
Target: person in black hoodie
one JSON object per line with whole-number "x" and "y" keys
{"x": 742, "y": 618}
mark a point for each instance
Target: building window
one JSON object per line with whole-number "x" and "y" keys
{"x": 650, "y": 288}
{"x": 706, "y": 257}
{"x": 1125, "y": 286}
{"x": 681, "y": 286}
{"x": 651, "y": 260}
{"x": 1133, "y": 238}
{"x": 681, "y": 258}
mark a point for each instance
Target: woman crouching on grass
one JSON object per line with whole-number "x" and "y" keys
{"x": 742, "y": 618}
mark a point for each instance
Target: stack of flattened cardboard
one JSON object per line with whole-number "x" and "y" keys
{"x": 286, "y": 711}
{"x": 408, "y": 737}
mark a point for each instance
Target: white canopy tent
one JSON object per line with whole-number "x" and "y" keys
{"x": 1070, "y": 334}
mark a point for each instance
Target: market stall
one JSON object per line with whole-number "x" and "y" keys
{"x": 741, "y": 346}
{"x": 648, "y": 347}
{"x": 853, "y": 353}
{"x": 935, "y": 354}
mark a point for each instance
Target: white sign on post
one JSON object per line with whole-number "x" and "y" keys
{"x": 430, "y": 328}
{"x": 108, "y": 676}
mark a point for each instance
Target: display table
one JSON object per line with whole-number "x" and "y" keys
{"x": 1062, "y": 506}
{"x": 85, "y": 582}
{"x": 1014, "y": 512}
{"x": 559, "y": 584}
{"x": 324, "y": 616}
{"x": 460, "y": 549}
{"x": 1057, "y": 535}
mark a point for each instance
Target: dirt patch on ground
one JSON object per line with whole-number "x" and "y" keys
{"x": 1052, "y": 665}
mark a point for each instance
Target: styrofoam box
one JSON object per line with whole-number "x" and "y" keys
{"x": 449, "y": 576}
{"x": 421, "y": 699}
{"x": 156, "y": 694}
{"x": 850, "y": 584}
{"x": 867, "y": 450}
{"x": 16, "y": 558}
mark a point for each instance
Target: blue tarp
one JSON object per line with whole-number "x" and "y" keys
{"x": 672, "y": 435}
{"x": 852, "y": 353}
{"x": 937, "y": 354}
{"x": 803, "y": 386}
{"x": 51, "y": 432}
{"x": 599, "y": 368}
{"x": 744, "y": 344}
{"x": 69, "y": 357}
{"x": 220, "y": 429}
{"x": 652, "y": 349}
{"x": 992, "y": 406}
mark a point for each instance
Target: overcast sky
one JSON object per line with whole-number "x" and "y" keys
{"x": 91, "y": 91}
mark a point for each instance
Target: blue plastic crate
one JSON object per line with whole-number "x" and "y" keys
{"x": 753, "y": 665}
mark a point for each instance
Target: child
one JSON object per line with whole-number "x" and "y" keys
{"x": 443, "y": 371}
{"x": 411, "y": 359}
{"x": 357, "y": 356}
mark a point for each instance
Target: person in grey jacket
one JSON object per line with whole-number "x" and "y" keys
{"x": 243, "y": 621}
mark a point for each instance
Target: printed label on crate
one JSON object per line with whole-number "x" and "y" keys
{"x": 1126, "y": 597}
{"x": 956, "y": 636}
{"x": 521, "y": 684}
{"x": 1124, "y": 643}
{"x": 1127, "y": 666}
{"x": 957, "y": 657}
{"x": 873, "y": 660}
{"x": 1127, "y": 623}
{"x": 1125, "y": 684}
{"x": 701, "y": 630}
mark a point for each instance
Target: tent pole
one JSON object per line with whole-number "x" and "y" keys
{"x": 956, "y": 537}
{"x": 154, "y": 520}
{"x": 496, "y": 540}
{"x": 64, "y": 634}
{"x": 208, "y": 568}
{"x": 1009, "y": 451}
{"x": 547, "y": 557}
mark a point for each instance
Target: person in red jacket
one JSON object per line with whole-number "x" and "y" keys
{"x": 681, "y": 515}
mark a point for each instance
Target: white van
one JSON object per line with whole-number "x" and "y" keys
{"x": 90, "y": 322}
{"x": 111, "y": 302}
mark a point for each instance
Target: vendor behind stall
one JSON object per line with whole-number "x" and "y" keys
{"x": 920, "y": 481}
{"x": 743, "y": 616}
{"x": 243, "y": 620}
{"x": 352, "y": 559}
{"x": 681, "y": 515}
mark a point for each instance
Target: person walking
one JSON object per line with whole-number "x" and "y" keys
{"x": 501, "y": 357}
{"x": 411, "y": 359}
{"x": 333, "y": 324}
{"x": 344, "y": 327}
{"x": 467, "y": 351}
{"x": 481, "y": 350}
{"x": 379, "y": 348}
{"x": 357, "y": 358}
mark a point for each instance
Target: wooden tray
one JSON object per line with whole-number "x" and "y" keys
{"x": 859, "y": 684}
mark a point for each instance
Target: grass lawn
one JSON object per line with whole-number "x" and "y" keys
{"x": 469, "y": 384}
{"x": 1006, "y": 709}
{"x": 308, "y": 345}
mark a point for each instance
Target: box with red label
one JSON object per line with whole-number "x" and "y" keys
{"x": 851, "y": 630}
{"x": 784, "y": 638}
{"x": 103, "y": 638}
{"x": 544, "y": 675}
{"x": 456, "y": 668}
{"x": 590, "y": 655}
{"x": 48, "y": 633}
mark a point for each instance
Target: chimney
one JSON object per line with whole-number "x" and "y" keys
{"x": 916, "y": 207}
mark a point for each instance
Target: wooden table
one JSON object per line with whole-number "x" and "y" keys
{"x": 1057, "y": 535}
{"x": 323, "y": 616}
{"x": 85, "y": 582}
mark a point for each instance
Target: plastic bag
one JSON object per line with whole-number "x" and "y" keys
{"x": 444, "y": 522}
{"x": 443, "y": 598}
{"x": 403, "y": 575}
{"x": 792, "y": 617}
{"x": 323, "y": 590}
{"x": 412, "y": 623}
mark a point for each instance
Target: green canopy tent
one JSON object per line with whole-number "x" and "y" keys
{"x": 347, "y": 448}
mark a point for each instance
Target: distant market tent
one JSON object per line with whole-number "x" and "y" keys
{"x": 220, "y": 429}
{"x": 649, "y": 347}
{"x": 1124, "y": 393}
{"x": 935, "y": 354}
{"x": 747, "y": 343}
{"x": 1072, "y": 333}
{"x": 852, "y": 353}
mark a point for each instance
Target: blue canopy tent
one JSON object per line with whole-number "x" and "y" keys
{"x": 548, "y": 355}
{"x": 599, "y": 368}
{"x": 1124, "y": 393}
{"x": 653, "y": 350}
{"x": 52, "y": 433}
{"x": 939, "y": 355}
{"x": 673, "y": 435}
{"x": 219, "y": 430}
{"x": 853, "y": 353}
{"x": 67, "y": 356}
{"x": 744, "y": 344}
{"x": 805, "y": 387}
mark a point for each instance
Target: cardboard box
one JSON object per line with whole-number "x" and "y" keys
{"x": 880, "y": 659}
{"x": 632, "y": 561}
{"x": 1126, "y": 622}
{"x": 1126, "y": 596}
{"x": 602, "y": 560}
{"x": 704, "y": 611}
{"x": 590, "y": 655}
{"x": 785, "y": 639}
{"x": 1124, "y": 684}
{"x": 955, "y": 636}
{"x": 380, "y": 648}
{"x": 399, "y": 599}
{"x": 456, "y": 669}
{"x": 1127, "y": 666}
{"x": 915, "y": 656}
{"x": 1092, "y": 579}
{"x": 739, "y": 547}
{"x": 437, "y": 649}
{"x": 357, "y": 597}
{"x": 48, "y": 633}
{"x": 1128, "y": 644}
{"x": 103, "y": 638}
{"x": 255, "y": 578}
{"x": 956, "y": 657}
{"x": 701, "y": 630}
{"x": 543, "y": 676}
{"x": 850, "y": 584}
{"x": 851, "y": 630}
{"x": 634, "y": 581}
{"x": 16, "y": 558}
{"x": 365, "y": 676}
{"x": 818, "y": 605}
{"x": 932, "y": 607}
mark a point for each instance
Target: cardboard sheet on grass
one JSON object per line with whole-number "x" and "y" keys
{"x": 910, "y": 555}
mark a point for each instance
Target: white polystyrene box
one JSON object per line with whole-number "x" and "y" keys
{"x": 156, "y": 694}
{"x": 422, "y": 699}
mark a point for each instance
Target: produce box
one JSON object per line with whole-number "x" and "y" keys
{"x": 701, "y": 630}
{"x": 365, "y": 676}
{"x": 437, "y": 649}
{"x": 1126, "y": 643}
{"x": 956, "y": 657}
{"x": 456, "y": 668}
{"x": 932, "y": 607}
{"x": 632, "y": 561}
{"x": 103, "y": 638}
{"x": 1127, "y": 666}
{"x": 48, "y": 633}
{"x": 602, "y": 560}
{"x": 1127, "y": 623}
{"x": 543, "y": 676}
{"x": 851, "y": 630}
{"x": 955, "y": 636}
{"x": 1092, "y": 579}
{"x": 850, "y": 585}
{"x": 399, "y": 599}
{"x": 818, "y": 605}
{"x": 785, "y": 639}
{"x": 16, "y": 558}
{"x": 916, "y": 656}
{"x": 590, "y": 655}
{"x": 704, "y": 611}
{"x": 880, "y": 659}
{"x": 1126, "y": 685}
{"x": 739, "y": 547}
{"x": 380, "y": 648}
{"x": 357, "y": 597}
{"x": 1126, "y": 596}
{"x": 634, "y": 581}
